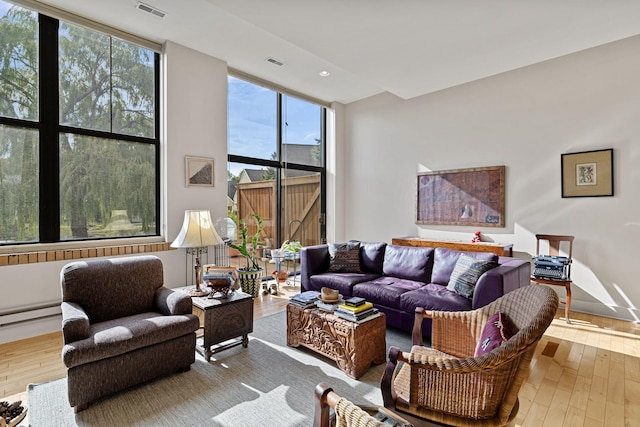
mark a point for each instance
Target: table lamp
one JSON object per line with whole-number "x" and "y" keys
{"x": 196, "y": 235}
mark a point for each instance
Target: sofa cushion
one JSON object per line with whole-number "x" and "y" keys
{"x": 342, "y": 282}
{"x": 372, "y": 256}
{"x": 406, "y": 262}
{"x": 444, "y": 261}
{"x": 115, "y": 337}
{"x": 385, "y": 290}
{"x": 433, "y": 297}
{"x": 466, "y": 273}
{"x": 495, "y": 333}
{"x": 344, "y": 257}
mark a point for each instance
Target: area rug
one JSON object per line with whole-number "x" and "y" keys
{"x": 266, "y": 384}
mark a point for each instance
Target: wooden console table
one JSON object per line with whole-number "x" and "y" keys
{"x": 496, "y": 248}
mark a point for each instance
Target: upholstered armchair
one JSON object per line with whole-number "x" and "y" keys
{"x": 450, "y": 382}
{"x": 121, "y": 326}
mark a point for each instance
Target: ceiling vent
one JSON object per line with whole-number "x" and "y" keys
{"x": 275, "y": 62}
{"x": 150, "y": 9}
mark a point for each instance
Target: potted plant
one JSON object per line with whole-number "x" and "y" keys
{"x": 249, "y": 276}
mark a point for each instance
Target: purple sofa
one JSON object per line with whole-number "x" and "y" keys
{"x": 397, "y": 279}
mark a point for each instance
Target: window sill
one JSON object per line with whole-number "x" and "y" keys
{"x": 50, "y": 253}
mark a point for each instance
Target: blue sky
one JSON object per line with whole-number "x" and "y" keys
{"x": 253, "y": 121}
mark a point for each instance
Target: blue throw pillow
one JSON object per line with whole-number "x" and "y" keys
{"x": 466, "y": 273}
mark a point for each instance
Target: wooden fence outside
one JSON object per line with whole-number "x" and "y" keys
{"x": 300, "y": 208}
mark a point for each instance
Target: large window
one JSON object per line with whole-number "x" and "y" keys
{"x": 79, "y": 140}
{"x": 276, "y": 163}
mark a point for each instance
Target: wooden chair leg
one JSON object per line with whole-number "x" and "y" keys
{"x": 567, "y": 305}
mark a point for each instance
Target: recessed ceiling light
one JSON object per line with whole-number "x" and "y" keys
{"x": 324, "y": 73}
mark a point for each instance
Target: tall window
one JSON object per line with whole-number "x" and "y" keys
{"x": 78, "y": 132}
{"x": 276, "y": 163}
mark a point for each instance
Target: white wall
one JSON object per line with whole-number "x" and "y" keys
{"x": 196, "y": 117}
{"x": 195, "y": 111}
{"x": 524, "y": 119}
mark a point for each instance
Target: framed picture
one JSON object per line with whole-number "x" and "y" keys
{"x": 473, "y": 197}
{"x": 199, "y": 171}
{"x": 587, "y": 174}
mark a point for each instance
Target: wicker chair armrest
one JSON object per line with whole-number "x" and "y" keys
{"x": 321, "y": 413}
{"x": 170, "y": 302}
{"x": 388, "y": 376}
{"x": 416, "y": 333}
{"x": 354, "y": 414}
{"x": 75, "y": 322}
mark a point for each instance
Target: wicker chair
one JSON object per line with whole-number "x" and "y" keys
{"x": 347, "y": 414}
{"x": 447, "y": 384}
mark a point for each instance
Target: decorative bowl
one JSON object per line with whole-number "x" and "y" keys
{"x": 219, "y": 285}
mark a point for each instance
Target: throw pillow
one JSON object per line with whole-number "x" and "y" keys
{"x": 345, "y": 257}
{"x": 495, "y": 333}
{"x": 466, "y": 273}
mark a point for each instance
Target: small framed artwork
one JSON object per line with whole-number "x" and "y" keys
{"x": 199, "y": 171}
{"x": 587, "y": 174}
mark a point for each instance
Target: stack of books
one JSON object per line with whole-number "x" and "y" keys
{"x": 305, "y": 299}
{"x": 328, "y": 306}
{"x": 356, "y": 309}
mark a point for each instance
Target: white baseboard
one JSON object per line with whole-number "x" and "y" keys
{"x": 599, "y": 309}
{"x": 30, "y": 328}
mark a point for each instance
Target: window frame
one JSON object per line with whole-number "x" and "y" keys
{"x": 49, "y": 128}
{"x": 279, "y": 164}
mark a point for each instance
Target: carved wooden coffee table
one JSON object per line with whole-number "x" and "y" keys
{"x": 353, "y": 346}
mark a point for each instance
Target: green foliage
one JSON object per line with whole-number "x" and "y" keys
{"x": 105, "y": 84}
{"x": 231, "y": 177}
{"x": 249, "y": 252}
{"x": 269, "y": 174}
{"x": 19, "y": 64}
{"x": 291, "y": 246}
{"x": 18, "y": 146}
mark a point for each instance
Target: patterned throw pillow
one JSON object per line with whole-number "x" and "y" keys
{"x": 466, "y": 273}
{"x": 495, "y": 333}
{"x": 345, "y": 257}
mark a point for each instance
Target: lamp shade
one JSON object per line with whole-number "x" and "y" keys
{"x": 197, "y": 231}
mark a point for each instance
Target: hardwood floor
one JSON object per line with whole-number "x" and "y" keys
{"x": 586, "y": 373}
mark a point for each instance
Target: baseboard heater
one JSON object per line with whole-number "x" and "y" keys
{"x": 28, "y": 313}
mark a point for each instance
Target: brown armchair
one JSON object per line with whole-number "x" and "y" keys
{"x": 121, "y": 326}
{"x": 447, "y": 384}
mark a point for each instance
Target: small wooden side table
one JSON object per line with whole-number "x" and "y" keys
{"x": 226, "y": 322}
